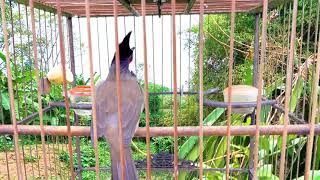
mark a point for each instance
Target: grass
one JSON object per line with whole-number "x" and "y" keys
{"x": 31, "y": 159}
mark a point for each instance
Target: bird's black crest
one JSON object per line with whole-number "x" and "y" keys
{"x": 124, "y": 47}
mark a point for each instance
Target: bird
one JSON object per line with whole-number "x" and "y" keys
{"x": 107, "y": 111}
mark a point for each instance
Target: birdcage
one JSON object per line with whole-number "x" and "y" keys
{"x": 230, "y": 87}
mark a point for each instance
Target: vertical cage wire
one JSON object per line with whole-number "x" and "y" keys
{"x": 71, "y": 49}
{"x": 63, "y": 62}
{"x": 260, "y": 73}
{"x": 135, "y": 44}
{"x": 36, "y": 64}
{"x": 153, "y": 63}
{"x": 189, "y": 64}
{"x": 118, "y": 84}
{"x": 309, "y": 24}
{"x": 98, "y": 42}
{"x": 301, "y": 72}
{"x": 73, "y": 70}
{"x": 46, "y": 41}
{"x": 146, "y": 96}
{"x": 201, "y": 48}
{"x": 233, "y": 9}
{"x": 15, "y": 71}
{"x": 46, "y": 150}
{"x": 107, "y": 41}
{"x": 288, "y": 87}
{"x": 92, "y": 87}
{"x": 174, "y": 61}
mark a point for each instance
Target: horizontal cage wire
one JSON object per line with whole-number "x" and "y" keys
{"x": 206, "y": 89}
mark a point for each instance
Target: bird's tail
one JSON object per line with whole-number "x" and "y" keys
{"x": 130, "y": 171}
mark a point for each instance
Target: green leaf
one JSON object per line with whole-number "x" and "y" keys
{"x": 248, "y": 80}
{"x": 30, "y": 102}
{"x": 192, "y": 156}
{"x": 190, "y": 143}
{"x": 220, "y": 152}
{"x": 272, "y": 143}
{"x": 190, "y": 149}
{"x": 210, "y": 148}
{"x": 2, "y": 57}
{"x": 265, "y": 172}
{"x": 264, "y": 113}
{"x": 222, "y": 145}
{"x": 296, "y": 93}
{"x": 213, "y": 117}
{"x": 5, "y": 100}
{"x": 318, "y": 154}
{"x": 50, "y": 119}
{"x": 278, "y": 84}
{"x": 54, "y": 121}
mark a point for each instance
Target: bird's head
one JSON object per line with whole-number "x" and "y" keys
{"x": 126, "y": 53}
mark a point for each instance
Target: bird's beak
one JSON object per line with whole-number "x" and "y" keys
{"x": 133, "y": 48}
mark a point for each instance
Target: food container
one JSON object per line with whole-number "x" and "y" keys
{"x": 81, "y": 95}
{"x": 241, "y": 93}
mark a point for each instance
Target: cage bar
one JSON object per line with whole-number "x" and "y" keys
{"x": 63, "y": 62}
{"x": 92, "y": 87}
{"x": 259, "y": 83}
{"x": 146, "y": 87}
{"x": 201, "y": 47}
{"x": 301, "y": 129}
{"x": 115, "y": 15}
{"x": 288, "y": 86}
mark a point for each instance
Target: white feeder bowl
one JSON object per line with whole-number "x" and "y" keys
{"x": 241, "y": 93}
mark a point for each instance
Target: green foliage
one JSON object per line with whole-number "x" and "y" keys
{"x": 192, "y": 141}
{"x": 7, "y": 16}
{"x": 296, "y": 94}
{"x": 313, "y": 175}
{"x": 6, "y": 143}
{"x": 155, "y": 104}
{"x": 88, "y": 156}
{"x": 5, "y": 100}
{"x": 265, "y": 172}
{"x": 244, "y": 73}
{"x": 217, "y": 31}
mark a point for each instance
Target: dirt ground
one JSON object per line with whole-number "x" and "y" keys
{"x": 33, "y": 164}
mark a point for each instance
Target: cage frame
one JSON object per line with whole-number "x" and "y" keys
{"x": 255, "y": 130}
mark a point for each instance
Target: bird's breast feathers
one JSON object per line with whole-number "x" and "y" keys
{"x": 106, "y": 91}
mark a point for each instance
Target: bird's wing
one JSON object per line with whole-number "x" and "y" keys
{"x": 105, "y": 93}
{"x": 132, "y": 102}
{"x": 107, "y": 109}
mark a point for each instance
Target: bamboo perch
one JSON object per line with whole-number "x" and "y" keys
{"x": 167, "y": 131}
